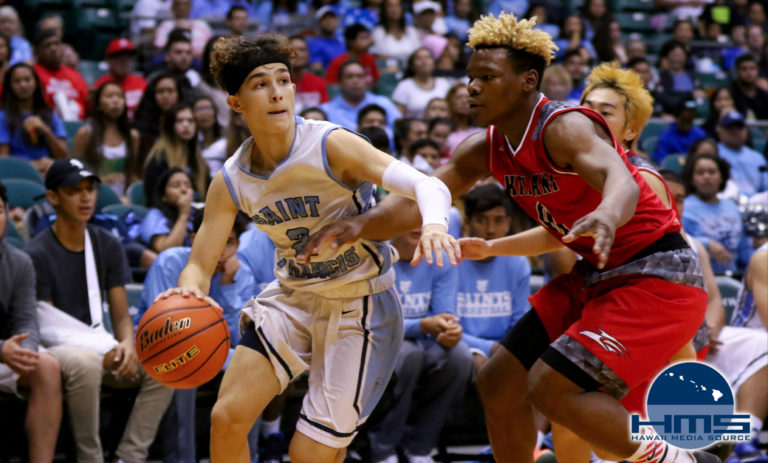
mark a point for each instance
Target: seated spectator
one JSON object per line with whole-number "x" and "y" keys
{"x": 313, "y": 114}
{"x": 407, "y": 131}
{"x": 107, "y": 139}
{"x": 683, "y": 33}
{"x": 169, "y": 223}
{"x": 62, "y": 265}
{"x": 493, "y": 293}
{"x": 437, "y": 107}
{"x": 145, "y": 16}
{"x": 676, "y": 85}
{"x": 752, "y": 311}
{"x": 572, "y": 37}
{"x": 209, "y": 88}
{"x": 428, "y": 19}
{"x": 237, "y": 20}
{"x": 25, "y": 370}
{"x": 392, "y": 38}
{"x": 556, "y": 83}
{"x": 378, "y": 138}
{"x": 238, "y": 132}
{"x": 419, "y": 84}
{"x": 10, "y": 26}
{"x": 715, "y": 222}
{"x": 162, "y": 93}
{"x": 575, "y": 63}
{"x": 366, "y": 14}
{"x": 736, "y": 47}
{"x": 353, "y": 96}
{"x": 462, "y": 18}
{"x": 432, "y": 359}
{"x": 595, "y": 14}
{"x": 28, "y": 126}
{"x": 438, "y": 130}
{"x": 325, "y": 47}
{"x": 120, "y": 56}
{"x": 748, "y": 167}
{"x": 199, "y": 30}
{"x": 372, "y": 115}
{"x": 176, "y": 147}
{"x": 231, "y": 286}
{"x": 257, "y": 252}
{"x": 213, "y": 144}
{"x": 63, "y": 82}
{"x": 450, "y": 59}
{"x": 458, "y": 105}
{"x": 358, "y": 40}
{"x": 749, "y": 99}
{"x": 680, "y": 134}
{"x": 720, "y": 100}
{"x": 279, "y": 13}
{"x": 608, "y": 43}
{"x": 310, "y": 89}
{"x": 178, "y": 64}
{"x": 426, "y": 152}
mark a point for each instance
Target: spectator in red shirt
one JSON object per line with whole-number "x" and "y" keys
{"x": 58, "y": 78}
{"x": 358, "y": 40}
{"x": 119, "y": 56}
{"x": 310, "y": 89}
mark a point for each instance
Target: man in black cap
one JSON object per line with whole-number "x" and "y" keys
{"x": 76, "y": 265}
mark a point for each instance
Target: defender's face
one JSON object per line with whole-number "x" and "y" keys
{"x": 495, "y": 89}
{"x": 610, "y": 105}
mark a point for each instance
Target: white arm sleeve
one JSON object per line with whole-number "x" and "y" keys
{"x": 431, "y": 194}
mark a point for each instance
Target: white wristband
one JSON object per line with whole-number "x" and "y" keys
{"x": 430, "y": 193}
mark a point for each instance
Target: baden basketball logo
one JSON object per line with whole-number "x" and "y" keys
{"x": 691, "y": 406}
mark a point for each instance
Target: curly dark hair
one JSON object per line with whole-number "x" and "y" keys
{"x": 233, "y": 58}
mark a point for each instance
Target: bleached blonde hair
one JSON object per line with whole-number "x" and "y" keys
{"x": 506, "y": 31}
{"x": 638, "y": 102}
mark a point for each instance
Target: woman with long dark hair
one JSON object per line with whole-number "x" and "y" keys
{"x": 169, "y": 221}
{"x": 107, "y": 140}
{"x": 28, "y": 126}
{"x": 213, "y": 144}
{"x": 176, "y": 147}
{"x": 162, "y": 92}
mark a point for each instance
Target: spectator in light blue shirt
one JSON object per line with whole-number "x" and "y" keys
{"x": 748, "y": 167}
{"x": 493, "y": 293}
{"x": 716, "y": 222}
{"x": 681, "y": 134}
{"x": 353, "y": 96}
{"x": 432, "y": 359}
{"x": 231, "y": 287}
{"x": 21, "y": 50}
{"x": 257, "y": 251}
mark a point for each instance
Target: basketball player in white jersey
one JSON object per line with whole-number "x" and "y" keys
{"x": 334, "y": 312}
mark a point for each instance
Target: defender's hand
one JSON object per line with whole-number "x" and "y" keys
{"x": 435, "y": 238}
{"x": 474, "y": 248}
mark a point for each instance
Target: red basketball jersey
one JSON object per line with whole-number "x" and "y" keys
{"x": 557, "y": 197}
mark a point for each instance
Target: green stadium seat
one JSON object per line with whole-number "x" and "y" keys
{"x": 71, "y": 127}
{"x": 107, "y": 197}
{"x": 91, "y": 70}
{"x": 712, "y": 80}
{"x": 136, "y": 193}
{"x": 333, "y": 90}
{"x": 650, "y": 135}
{"x": 634, "y": 21}
{"x": 23, "y": 193}
{"x": 12, "y": 232}
{"x": 674, "y": 162}
{"x": 729, "y": 292}
{"x": 634, "y": 5}
{"x": 96, "y": 18}
{"x": 14, "y": 167}
{"x": 386, "y": 84}
{"x": 758, "y": 137}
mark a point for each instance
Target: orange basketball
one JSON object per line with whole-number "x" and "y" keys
{"x": 182, "y": 342}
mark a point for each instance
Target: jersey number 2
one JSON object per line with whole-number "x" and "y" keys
{"x": 300, "y": 235}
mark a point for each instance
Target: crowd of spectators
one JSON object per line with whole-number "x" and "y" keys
{"x": 154, "y": 127}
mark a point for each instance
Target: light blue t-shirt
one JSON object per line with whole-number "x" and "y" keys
{"x": 257, "y": 251}
{"x": 18, "y": 147}
{"x": 164, "y": 274}
{"x": 155, "y": 223}
{"x": 425, "y": 290}
{"x": 21, "y": 50}
{"x": 721, "y": 222}
{"x": 492, "y": 297}
{"x": 746, "y": 166}
{"x": 342, "y": 113}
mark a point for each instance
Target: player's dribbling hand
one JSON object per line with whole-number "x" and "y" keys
{"x": 474, "y": 248}
{"x": 186, "y": 292}
{"x": 334, "y": 235}
{"x": 599, "y": 225}
{"x": 435, "y": 237}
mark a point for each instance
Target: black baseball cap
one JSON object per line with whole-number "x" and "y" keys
{"x": 67, "y": 172}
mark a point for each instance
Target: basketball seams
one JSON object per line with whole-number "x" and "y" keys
{"x": 169, "y": 311}
{"x": 202, "y": 363}
{"x": 220, "y": 321}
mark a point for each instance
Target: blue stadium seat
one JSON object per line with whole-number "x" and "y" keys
{"x": 15, "y": 167}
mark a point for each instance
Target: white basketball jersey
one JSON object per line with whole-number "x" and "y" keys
{"x": 298, "y": 198}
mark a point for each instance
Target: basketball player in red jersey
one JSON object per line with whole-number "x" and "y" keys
{"x": 636, "y": 297}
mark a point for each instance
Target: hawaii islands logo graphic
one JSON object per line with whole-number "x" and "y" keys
{"x": 691, "y": 406}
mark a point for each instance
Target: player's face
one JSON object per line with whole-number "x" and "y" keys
{"x": 491, "y": 224}
{"x": 266, "y": 98}
{"x": 610, "y": 105}
{"x": 75, "y": 203}
{"x": 495, "y": 89}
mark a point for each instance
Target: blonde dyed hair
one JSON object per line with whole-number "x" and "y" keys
{"x": 506, "y": 31}
{"x": 638, "y": 102}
